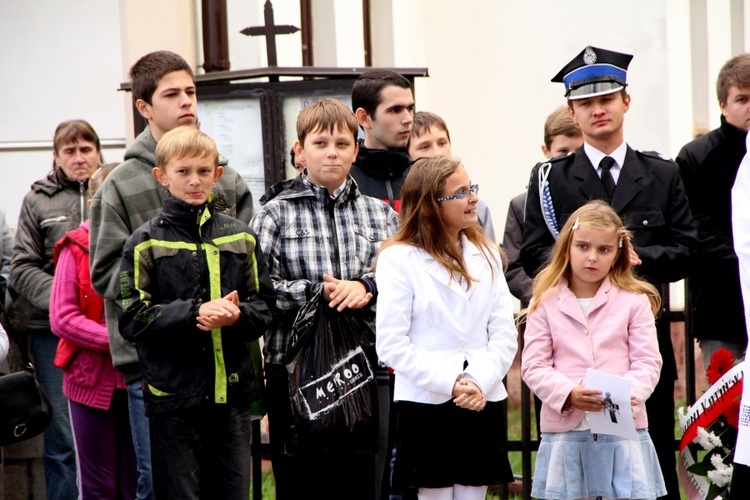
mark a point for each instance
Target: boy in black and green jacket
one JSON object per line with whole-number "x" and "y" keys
{"x": 194, "y": 292}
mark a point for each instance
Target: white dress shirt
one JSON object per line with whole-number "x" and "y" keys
{"x": 595, "y": 156}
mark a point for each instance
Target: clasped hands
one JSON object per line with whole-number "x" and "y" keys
{"x": 468, "y": 395}
{"x": 344, "y": 293}
{"x": 218, "y": 313}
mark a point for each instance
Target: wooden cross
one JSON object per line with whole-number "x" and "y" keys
{"x": 270, "y": 30}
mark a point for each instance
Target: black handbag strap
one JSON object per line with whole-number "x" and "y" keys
{"x": 22, "y": 342}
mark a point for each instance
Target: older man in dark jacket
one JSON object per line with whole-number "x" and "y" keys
{"x": 54, "y": 206}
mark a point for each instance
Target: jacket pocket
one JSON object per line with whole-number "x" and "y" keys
{"x": 367, "y": 240}
{"x": 644, "y": 219}
{"x": 54, "y": 220}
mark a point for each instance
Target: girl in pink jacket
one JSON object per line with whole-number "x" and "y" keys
{"x": 95, "y": 390}
{"x": 589, "y": 310}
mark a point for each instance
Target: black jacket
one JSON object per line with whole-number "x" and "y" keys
{"x": 651, "y": 200}
{"x": 172, "y": 264}
{"x": 380, "y": 173}
{"x": 519, "y": 283}
{"x": 708, "y": 166}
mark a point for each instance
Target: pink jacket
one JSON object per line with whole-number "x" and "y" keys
{"x": 560, "y": 343}
{"x": 90, "y": 379}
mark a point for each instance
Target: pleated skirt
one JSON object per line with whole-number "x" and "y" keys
{"x": 573, "y": 465}
{"x": 438, "y": 446}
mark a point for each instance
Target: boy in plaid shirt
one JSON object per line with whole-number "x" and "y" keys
{"x": 318, "y": 231}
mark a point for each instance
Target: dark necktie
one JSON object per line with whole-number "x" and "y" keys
{"x": 607, "y": 180}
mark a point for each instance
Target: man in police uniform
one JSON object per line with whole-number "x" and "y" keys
{"x": 645, "y": 188}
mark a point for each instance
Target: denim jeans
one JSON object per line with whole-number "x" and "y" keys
{"x": 141, "y": 440}
{"x": 59, "y": 449}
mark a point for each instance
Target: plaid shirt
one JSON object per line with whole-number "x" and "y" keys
{"x": 304, "y": 233}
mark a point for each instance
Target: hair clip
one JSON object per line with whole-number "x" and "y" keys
{"x": 620, "y": 245}
{"x": 575, "y": 225}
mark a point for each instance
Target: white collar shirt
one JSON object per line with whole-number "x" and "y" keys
{"x": 595, "y": 156}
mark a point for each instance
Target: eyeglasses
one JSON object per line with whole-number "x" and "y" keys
{"x": 459, "y": 196}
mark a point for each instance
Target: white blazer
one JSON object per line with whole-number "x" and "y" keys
{"x": 428, "y": 324}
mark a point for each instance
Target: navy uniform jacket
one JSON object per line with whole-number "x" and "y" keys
{"x": 650, "y": 197}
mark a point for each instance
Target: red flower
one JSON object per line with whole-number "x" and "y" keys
{"x": 732, "y": 413}
{"x": 721, "y": 362}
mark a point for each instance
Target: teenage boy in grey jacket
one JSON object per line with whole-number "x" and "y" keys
{"x": 164, "y": 92}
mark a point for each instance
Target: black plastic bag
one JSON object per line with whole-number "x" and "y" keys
{"x": 332, "y": 381}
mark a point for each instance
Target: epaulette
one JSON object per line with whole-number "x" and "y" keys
{"x": 556, "y": 159}
{"x": 655, "y": 154}
{"x": 549, "y": 161}
{"x": 568, "y": 156}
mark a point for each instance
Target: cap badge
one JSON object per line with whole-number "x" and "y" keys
{"x": 589, "y": 56}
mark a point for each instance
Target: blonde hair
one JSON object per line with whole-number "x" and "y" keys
{"x": 97, "y": 178}
{"x": 422, "y": 224}
{"x": 185, "y": 142}
{"x": 600, "y": 215}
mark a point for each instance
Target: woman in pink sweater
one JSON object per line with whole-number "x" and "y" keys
{"x": 96, "y": 391}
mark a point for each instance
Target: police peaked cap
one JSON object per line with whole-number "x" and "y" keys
{"x": 594, "y": 72}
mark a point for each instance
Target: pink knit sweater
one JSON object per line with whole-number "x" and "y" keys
{"x": 90, "y": 379}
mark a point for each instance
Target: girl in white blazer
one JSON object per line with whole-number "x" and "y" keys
{"x": 445, "y": 326}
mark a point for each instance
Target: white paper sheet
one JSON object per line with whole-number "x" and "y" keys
{"x": 617, "y": 416}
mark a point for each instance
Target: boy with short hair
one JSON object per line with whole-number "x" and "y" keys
{"x": 320, "y": 231}
{"x": 164, "y": 93}
{"x": 562, "y": 136}
{"x": 430, "y": 137}
{"x": 194, "y": 293}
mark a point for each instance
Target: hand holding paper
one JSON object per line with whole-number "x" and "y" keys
{"x": 615, "y": 416}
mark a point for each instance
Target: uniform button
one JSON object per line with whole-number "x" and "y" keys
{"x": 585, "y": 332}
{"x": 645, "y": 222}
{"x": 463, "y": 346}
{"x": 195, "y": 253}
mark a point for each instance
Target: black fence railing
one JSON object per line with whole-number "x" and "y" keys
{"x": 526, "y": 445}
